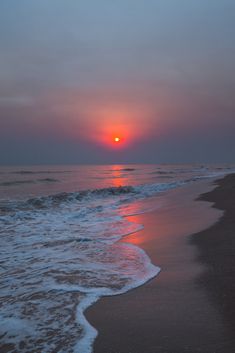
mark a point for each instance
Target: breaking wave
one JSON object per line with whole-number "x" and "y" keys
{"x": 57, "y": 200}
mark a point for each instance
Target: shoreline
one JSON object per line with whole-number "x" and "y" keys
{"x": 171, "y": 313}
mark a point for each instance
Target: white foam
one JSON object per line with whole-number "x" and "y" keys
{"x": 66, "y": 250}
{"x": 93, "y": 294}
{"x": 89, "y": 332}
{"x": 15, "y": 326}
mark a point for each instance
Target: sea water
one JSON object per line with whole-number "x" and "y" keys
{"x": 60, "y": 252}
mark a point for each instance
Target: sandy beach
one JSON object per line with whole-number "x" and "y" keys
{"x": 117, "y": 176}
{"x": 189, "y": 306}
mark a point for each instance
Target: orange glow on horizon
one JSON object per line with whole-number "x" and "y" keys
{"x": 120, "y": 123}
{"x": 109, "y": 119}
{"x": 116, "y": 136}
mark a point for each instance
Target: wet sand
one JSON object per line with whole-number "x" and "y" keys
{"x": 177, "y": 311}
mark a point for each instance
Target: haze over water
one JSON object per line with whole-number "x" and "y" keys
{"x": 75, "y": 74}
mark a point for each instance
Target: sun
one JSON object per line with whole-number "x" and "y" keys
{"x": 117, "y": 139}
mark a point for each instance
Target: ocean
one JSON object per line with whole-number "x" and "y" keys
{"x": 60, "y": 229}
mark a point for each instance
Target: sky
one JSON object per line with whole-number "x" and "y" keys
{"x": 158, "y": 74}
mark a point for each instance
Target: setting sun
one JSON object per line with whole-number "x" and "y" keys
{"x": 117, "y": 139}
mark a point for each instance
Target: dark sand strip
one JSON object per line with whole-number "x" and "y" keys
{"x": 217, "y": 253}
{"x": 177, "y": 312}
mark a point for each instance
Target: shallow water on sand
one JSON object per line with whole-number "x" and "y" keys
{"x": 59, "y": 229}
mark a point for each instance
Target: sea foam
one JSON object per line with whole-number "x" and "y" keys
{"x": 59, "y": 254}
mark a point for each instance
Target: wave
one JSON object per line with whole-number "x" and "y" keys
{"x": 163, "y": 172}
{"x": 57, "y": 200}
{"x": 128, "y": 193}
{"x": 65, "y": 197}
{"x": 23, "y": 172}
{"x": 48, "y": 180}
{"x": 19, "y": 182}
{"x": 127, "y": 169}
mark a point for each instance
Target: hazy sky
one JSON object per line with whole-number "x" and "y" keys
{"x": 158, "y": 73}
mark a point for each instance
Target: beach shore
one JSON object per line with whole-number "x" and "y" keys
{"x": 189, "y": 306}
